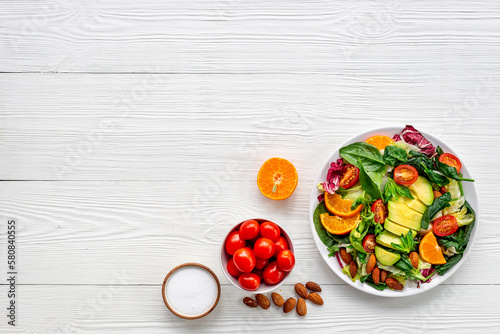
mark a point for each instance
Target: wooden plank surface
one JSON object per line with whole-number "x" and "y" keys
{"x": 131, "y": 134}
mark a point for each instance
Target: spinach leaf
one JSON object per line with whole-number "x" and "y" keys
{"x": 439, "y": 204}
{"x": 467, "y": 229}
{"x": 371, "y": 186}
{"x": 450, "y": 262}
{"x": 394, "y": 190}
{"x": 342, "y": 192}
{"x": 339, "y": 238}
{"x": 425, "y": 166}
{"x": 369, "y": 280}
{"x": 435, "y": 177}
{"x": 371, "y": 165}
{"x": 394, "y": 154}
{"x": 405, "y": 265}
{"x": 322, "y": 232}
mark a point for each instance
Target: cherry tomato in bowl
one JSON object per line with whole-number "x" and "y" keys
{"x": 264, "y": 248}
{"x": 234, "y": 242}
{"x": 273, "y": 273}
{"x": 249, "y": 229}
{"x": 244, "y": 259}
{"x": 349, "y": 176}
{"x": 282, "y": 242}
{"x": 249, "y": 281}
{"x": 405, "y": 175}
{"x": 445, "y": 225}
{"x": 286, "y": 260}
{"x": 451, "y": 160}
{"x": 380, "y": 211}
{"x": 270, "y": 230}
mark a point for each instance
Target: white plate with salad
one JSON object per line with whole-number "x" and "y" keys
{"x": 394, "y": 212}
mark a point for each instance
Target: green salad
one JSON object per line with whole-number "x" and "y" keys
{"x": 393, "y": 211}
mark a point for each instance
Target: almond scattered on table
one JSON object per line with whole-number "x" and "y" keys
{"x": 289, "y": 305}
{"x": 313, "y": 286}
{"x": 263, "y": 301}
{"x": 250, "y": 302}
{"x": 301, "y": 290}
{"x": 315, "y": 298}
{"x": 301, "y": 307}
{"x": 277, "y": 299}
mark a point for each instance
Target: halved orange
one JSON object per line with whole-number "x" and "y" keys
{"x": 430, "y": 251}
{"x": 379, "y": 142}
{"x": 338, "y": 225}
{"x": 277, "y": 178}
{"x": 339, "y": 206}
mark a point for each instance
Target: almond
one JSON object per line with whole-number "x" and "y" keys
{"x": 315, "y": 298}
{"x": 414, "y": 259}
{"x": 250, "y": 302}
{"x": 313, "y": 286}
{"x": 301, "y": 290}
{"x": 263, "y": 301}
{"x": 346, "y": 257}
{"x": 301, "y": 307}
{"x": 289, "y": 305}
{"x": 383, "y": 275}
{"x": 277, "y": 299}
{"x": 376, "y": 275}
{"x": 372, "y": 261}
{"x": 353, "y": 269}
{"x": 393, "y": 283}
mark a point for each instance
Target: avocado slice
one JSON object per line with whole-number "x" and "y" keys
{"x": 386, "y": 238}
{"x": 402, "y": 210}
{"x": 414, "y": 204}
{"x": 403, "y": 221}
{"x": 397, "y": 229}
{"x": 386, "y": 257}
{"x": 423, "y": 188}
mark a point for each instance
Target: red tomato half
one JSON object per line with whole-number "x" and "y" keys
{"x": 264, "y": 248}
{"x": 369, "y": 243}
{"x": 260, "y": 263}
{"x": 286, "y": 260}
{"x": 249, "y": 229}
{"x": 405, "y": 175}
{"x": 349, "y": 176}
{"x": 380, "y": 211}
{"x": 244, "y": 259}
{"x": 232, "y": 270}
{"x": 451, "y": 160}
{"x": 280, "y": 245}
{"x": 249, "y": 281}
{"x": 270, "y": 230}
{"x": 272, "y": 273}
{"x": 234, "y": 242}
{"x": 445, "y": 225}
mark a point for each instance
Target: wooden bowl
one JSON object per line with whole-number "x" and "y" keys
{"x": 172, "y": 309}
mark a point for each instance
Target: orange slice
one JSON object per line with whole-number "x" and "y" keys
{"x": 430, "y": 251}
{"x": 379, "y": 142}
{"x": 339, "y": 206}
{"x": 277, "y": 178}
{"x": 338, "y": 225}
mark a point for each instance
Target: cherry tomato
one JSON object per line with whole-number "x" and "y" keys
{"x": 244, "y": 259}
{"x": 369, "y": 243}
{"x": 405, "y": 175}
{"x": 280, "y": 245}
{"x": 249, "y": 229}
{"x": 270, "y": 230}
{"x": 286, "y": 260}
{"x": 264, "y": 248}
{"x": 260, "y": 263}
{"x": 349, "y": 176}
{"x": 232, "y": 270}
{"x": 249, "y": 281}
{"x": 451, "y": 160}
{"x": 272, "y": 273}
{"x": 443, "y": 190}
{"x": 380, "y": 211}
{"x": 234, "y": 242}
{"x": 445, "y": 225}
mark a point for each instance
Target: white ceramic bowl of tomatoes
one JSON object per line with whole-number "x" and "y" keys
{"x": 257, "y": 255}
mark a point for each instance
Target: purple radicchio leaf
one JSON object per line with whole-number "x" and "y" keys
{"x": 425, "y": 273}
{"x": 333, "y": 177}
{"x": 321, "y": 198}
{"x": 412, "y": 136}
{"x": 338, "y": 259}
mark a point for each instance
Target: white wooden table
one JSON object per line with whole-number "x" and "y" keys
{"x": 131, "y": 134}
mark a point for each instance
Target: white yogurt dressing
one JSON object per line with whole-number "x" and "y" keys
{"x": 191, "y": 290}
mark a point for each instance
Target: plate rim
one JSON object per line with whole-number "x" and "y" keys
{"x": 471, "y": 197}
